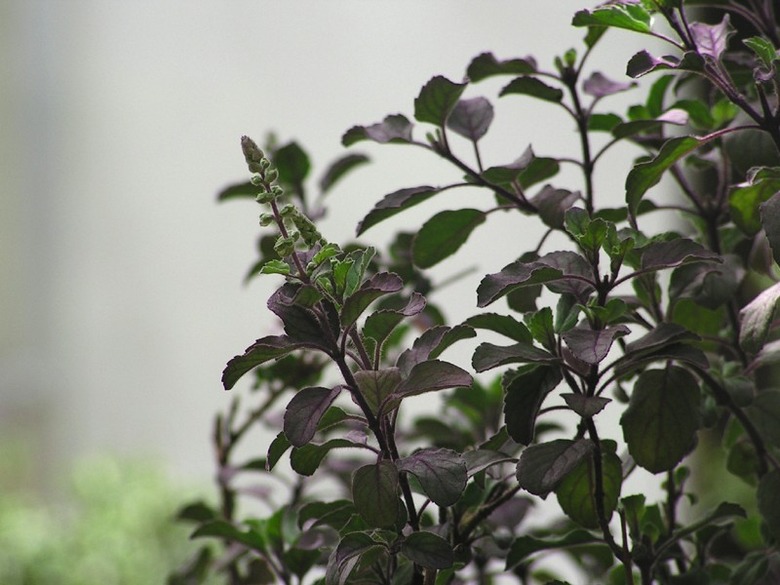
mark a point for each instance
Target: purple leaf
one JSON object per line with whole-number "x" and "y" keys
{"x": 585, "y": 406}
{"x": 542, "y": 467}
{"x": 598, "y": 85}
{"x": 261, "y": 351}
{"x": 679, "y": 251}
{"x": 526, "y": 389}
{"x": 429, "y": 376}
{"x": 437, "y": 99}
{"x": 577, "y": 276}
{"x": 375, "y": 493}
{"x": 552, "y": 203}
{"x": 643, "y": 63}
{"x": 471, "y": 118}
{"x": 395, "y": 202}
{"x": 486, "y": 65}
{"x": 770, "y": 221}
{"x": 304, "y": 412}
{"x": 592, "y": 346}
{"x": 756, "y": 318}
{"x": 514, "y": 275}
{"x": 380, "y": 324}
{"x": 376, "y": 385}
{"x": 431, "y": 344}
{"x": 378, "y": 285}
{"x": 488, "y": 356}
{"x": 711, "y": 39}
{"x": 442, "y": 473}
{"x": 394, "y": 128}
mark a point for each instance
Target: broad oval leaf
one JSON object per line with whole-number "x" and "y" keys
{"x": 756, "y": 317}
{"x": 380, "y": 325}
{"x": 347, "y": 555}
{"x": 375, "y": 493}
{"x": 592, "y": 345}
{"x": 428, "y": 376}
{"x": 577, "y": 492}
{"x": 632, "y": 17}
{"x": 711, "y": 39}
{"x": 676, "y": 252}
{"x": 503, "y": 324}
{"x": 238, "y": 191}
{"x": 306, "y": 460}
{"x": 441, "y": 472}
{"x": 488, "y": 356}
{"x": 378, "y": 285}
{"x": 517, "y": 274}
{"x": 745, "y": 201}
{"x": 293, "y": 164}
{"x": 599, "y": 85}
{"x": 431, "y": 344}
{"x": 376, "y": 385}
{"x": 395, "y": 202}
{"x": 437, "y": 99}
{"x": 443, "y": 234}
{"x": 261, "y": 351}
{"x": 486, "y": 65}
{"x": 304, "y": 412}
{"x": 471, "y": 118}
{"x": 525, "y": 390}
{"x": 339, "y": 169}
{"x": 662, "y": 418}
{"x": 533, "y": 87}
{"x": 543, "y": 466}
{"x": 394, "y": 128}
{"x": 428, "y": 550}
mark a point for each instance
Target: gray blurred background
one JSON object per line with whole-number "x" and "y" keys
{"x": 121, "y": 292}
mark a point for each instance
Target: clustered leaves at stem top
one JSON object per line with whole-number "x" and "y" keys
{"x": 430, "y": 499}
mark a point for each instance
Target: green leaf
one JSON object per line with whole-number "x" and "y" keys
{"x": 503, "y": 324}
{"x": 395, "y": 128}
{"x": 380, "y": 325}
{"x": 632, "y": 17}
{"x": 376, "y": 385}
{"x": 441, "y": 472}
{"x": 764, "y": 411}
{"x": 340, "y": 168}
{"x": 769, "y": 501}
{"x": 437, "y": 99}
{"x": 533, "y": 87}
{"x": 763, "y": 49}
{"x": 428, "y": 550}
{"x": 306, "y": 460}
{"x": 526, "y": 388}
{"x": 515, "y": 275}
{"x": 543, "y": 466}
{"x": 524, "y": 546}
{"x": 443, "y": 234}
{"x": 377, "y": 286}
{"x": 647, "y": 174}
{"x": 238, "y": 191}
{"x": 770, "y": 221}
{"x": 292, "y": 163}
{"x": 347, "y": 555}
{"x": 395, "y": 202}
{"x": 261, "y": 351}
{"x": 662, "y": 418}
{"x": 577, "y": 492}
{"x": 745, "y": 200}
{"x": 304, "y": 412}
{"x": 471, "y": 118}
{"x": 334, "y": 514}
{"x": 375, "y": 493}
{"x": 592, "y": 345}
{"x": 488, "y": 356}
{"x": 756, "y": 317}
{"x": 486, "y": 65}
{"x": 276, "y": 449}
{"x": 225, "y": 530}
{"x": 275, "y": 267}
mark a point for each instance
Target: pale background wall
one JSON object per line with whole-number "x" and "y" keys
{"x": 120, "y": 294}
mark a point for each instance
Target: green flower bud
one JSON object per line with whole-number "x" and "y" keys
{"x": 256, "y": 180}
{"x": 265, "y": 197}
{"x": 277, "y": 191}
{"x": 284, "y": 246}
{"x": 271, "y": 175}
{"x": 288, "y": 210}
{"x": 266, "y": 219}
{"x": 252, "y": 152}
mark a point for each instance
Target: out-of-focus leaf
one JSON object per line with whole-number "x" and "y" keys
{"x": 486, "y": 65}
{"x": 524, "y": 546}
{"x": 394, "y": 128}
{"x": 238, "y": 191}
{"x": 471, "y": 118}
{"x": 395, "y": 202}
{"x": 769, "y": 501}
{"x": 443, "y": 234}
{"x": 756, "y": 317}
{"x": 293, "y": 164}
{"x": 437, "y": 99}
{"x": 340, "y": 168}
{"x": 632, "y": 17}
{"x": 533, "y": 87}
{"x": 770, "y": 221}
{"x": 599, "y": 85}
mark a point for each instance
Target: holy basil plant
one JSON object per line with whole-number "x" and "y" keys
{"x": 672, "y": 333}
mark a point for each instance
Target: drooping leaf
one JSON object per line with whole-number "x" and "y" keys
{"x": 514, "y": 275}
{"x": 380, "y": 325}
{"x": 662, "y": 418}
{"x": 378, "y": 285}
{"x": 480, "y": 459}
{"x": 533, "y": 87}
{"x": 763, "y": 49}
{"x": 524, "y": 546}
{"x": 395, "y": 202}
{"x": 525, "y": 391}
{"x": 643, "y": 63}
{"x": 276, "y": 449}
{"x": 577, "y": 492}
{"x": 437, "y": 99}
{"x": 441, "y": 473}
{"x": 486, "y": 65}
{"x": 599, "y": 85}
{"x": 552, "y": 204}
{"x": 443, "y": 234}
{"x": 756, "y": 317}
{"x": 544, "y": 465}
{"x": 770, "y": 221}
{"x": 306, "y": 460}
{"x": 429, "y": 376}
{"x": 334, "y": 514}
{"x": 585, "y": 406}
{"x": 645, "y": 175}
{"x": 293, "y": 164}
{"x": 431, "y": 344}
{"x": 347, "y": 555}
{"x": 261, "y": 351}
{"x": 577, "y": 274}
{"x": 300, "y": 323}
{"x": 658, "y": 255}
{"x": 340, "y": 168}
{"x": 394, "y": 128}
{"x": 428, "y": 550}
{"x": 632, "y": 17}
{"x": 592, "y": 345}
{"x": 506, "y": 174}
{"x": 503, "y": 324}
{"x": 375, "y": 493}
{"x": 488, "y": 356}
{"x": 304, "y": 412}
{"x": 471, "y": 118}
